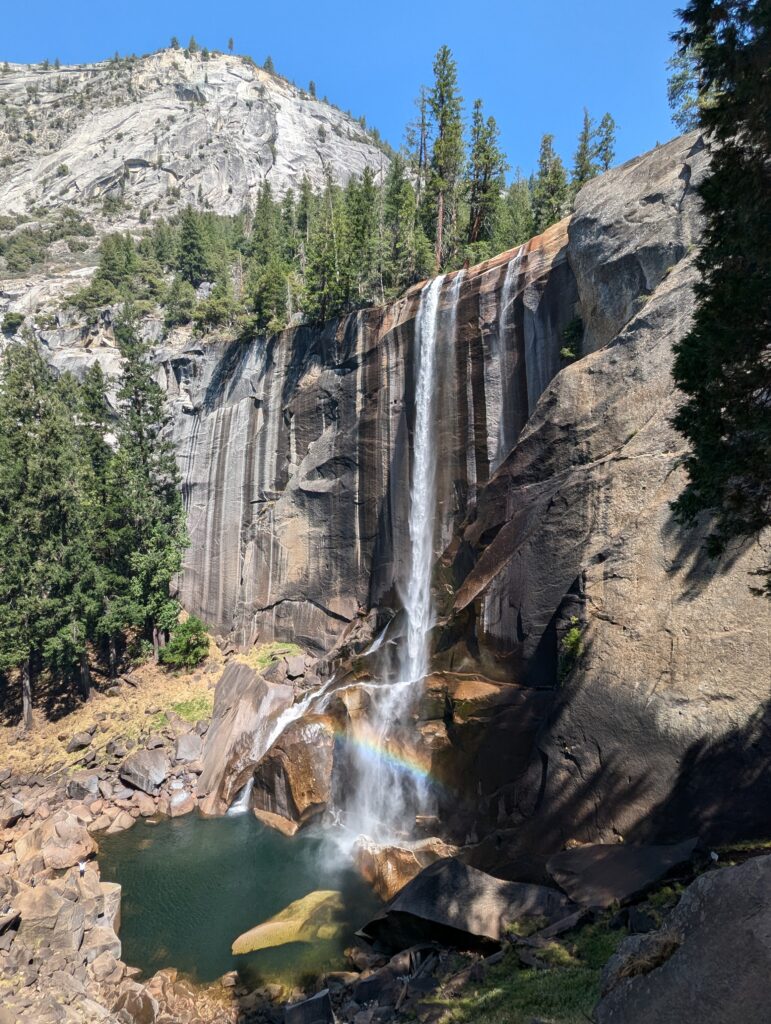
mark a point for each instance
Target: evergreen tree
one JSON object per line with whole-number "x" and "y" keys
{"x": 193, "y": 259}
{"x": 153, "y": 539}
{"x": 685, "y": 95}
{"x": 487, "y": 169}
{"x": 192, "y": 46}
{"x": 326, "y": 287}
{"x": 418, "y": 142}
{"x": 584, "y": 166}
{"x": 722, "y": 365}
{"x": 312, "y": 88}
{"x": 269, "y": 65}
{"x": 447, "y": 155}
{"x": 174, "y": 43}
{"x": 515, "y": 223}
{"x": 231, "y": 44}
{"x": 550, "y": 191}
{"x": 605, "y": 146}
{"x": 363, "y": 275}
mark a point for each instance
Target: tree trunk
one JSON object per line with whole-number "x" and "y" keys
{"x": 439, "y": 229}
{"x": 85, "y": 676}
{"x": 26, "y": 694}
{"x": 156, "y": 644}
{"x": 112, "y": 656}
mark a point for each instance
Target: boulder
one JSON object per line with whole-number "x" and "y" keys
{"x": 188, "y": 747}
{"x": 598, "y": 875}
{"x": 316, "y": 1010}
{"x": 60, "y": 841}
{"x": 10, "y": 812}
{"x": 294, "y": 779}
{"x": 295, "y": 666}
{"x": 48, "y": 919}
{"x": 316, "y": 916}
{"x": 460, "y": 906}
{"x": 79, "y": 741}
{"x": 245, "y": 709}
{"x": 710, "y": 962}
{"x": 120, "y": 823}
{"x": 389, "y": 868}
{"x": 98, "y": 941}
{"x": 141, "y": 1007}
{"x": 82, "y": 785}
{"x": 146, "y": 770}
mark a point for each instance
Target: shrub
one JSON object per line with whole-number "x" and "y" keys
{"x": 189, "y": 645}
{"x": 571, "y": 647}
{"x": 12, "y": 322}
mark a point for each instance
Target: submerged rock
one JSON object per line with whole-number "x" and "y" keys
{"x": 710, "y": 962}
{"x": 460, "y": 906}
{"x": 316, "y": 916}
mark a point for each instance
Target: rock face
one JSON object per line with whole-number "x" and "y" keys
{"x": 166, "y": 130}
{"x": 657, "y": 725}
{"x": 246, "y": 708}
{"x": 710, "y": 962}
{"x": 295, "y": 451}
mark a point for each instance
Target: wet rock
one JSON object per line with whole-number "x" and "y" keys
{"x": 79, "y": 741}
{"x": 710, "y": 962}
{"x": 389, "y": 868}
{"x": 294, "y": 779}
{"x": 315, "y": 916}
{"x": 121, "y": 823}
{"x": 598, "y": 875}
{"x": 146, "y": 770}
{"x": 457, "y": 905}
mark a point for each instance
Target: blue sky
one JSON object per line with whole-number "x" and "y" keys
{"x": 535, "y": 63}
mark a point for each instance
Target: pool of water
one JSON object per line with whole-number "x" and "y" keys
{"x": 191, "y": 885}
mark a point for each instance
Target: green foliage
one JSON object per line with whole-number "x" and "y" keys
{"x": 722, "y": 365}
{"x": 486, "y": 177}
{"x": 174, "y": 43}
{"x": 584, "y": 163}
{"x": 563, "y": 993}
{"x": 444, "y": 180}
{"x": 269, "y": 65}
{"x": 572, "y": 335}
{"x": 188, "y": 646}
{"x": 550, "y": 190}
{"x": 605, "y": 144}
{"x": 12, "y": 322}
{"x": 571, "y": 647}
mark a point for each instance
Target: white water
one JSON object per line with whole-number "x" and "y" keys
{"x": 505, "y": 357}
{"x": 389, "y": 790}
{"x": 243, "y": 800}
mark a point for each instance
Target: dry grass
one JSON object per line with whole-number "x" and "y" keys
{"x": 43, "y": 751}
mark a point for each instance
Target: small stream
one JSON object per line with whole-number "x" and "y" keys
{"x": 191, "y": 885}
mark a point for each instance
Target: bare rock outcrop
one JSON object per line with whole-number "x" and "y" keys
{"x": 574, "y": 575}
{"x": 709, "y": 962}
{"x": 246, "y": 708}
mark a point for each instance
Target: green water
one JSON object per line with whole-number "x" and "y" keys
{"x": 191, "y": 885}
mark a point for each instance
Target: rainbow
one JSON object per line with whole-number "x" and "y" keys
{"x": 366, "y": 740}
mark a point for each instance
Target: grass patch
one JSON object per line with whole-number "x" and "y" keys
{"x": 565, "y": 993}
{"x": 192, "y": 711}
{"x": 263, "y": 655}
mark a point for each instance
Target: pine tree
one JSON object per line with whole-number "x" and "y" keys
{"x": 584, "y": 166}
{"x": 605, "y": 146}
{"x": 360, "y": 246}
{"x": 550, "y": 191}
{"x": 326, "y": 287}
{"x": 417, "y": 137}
{"x": 515, "y": 223}
{"x": 269, "y": 65}
{"x": 487, "y": 169}
{"x": 192, "y": 46}
{"x": 447, "y": 155}
{"x": 193, "y": 259}
{"x": 312, "y": 88}
{"x": 722, "y": 365}
{"x": 174, "y": 43}
{"x": 231, "y": 44}
{"x": 153, "y": 539}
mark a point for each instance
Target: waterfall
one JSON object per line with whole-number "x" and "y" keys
{"x": 390, "y": 786}
{"x": 502, "y": 433}
{"x": 243, "y": 800}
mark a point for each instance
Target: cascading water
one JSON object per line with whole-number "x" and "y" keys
{"x": 502, "y": 433}
{"x": 391, "y": 787}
